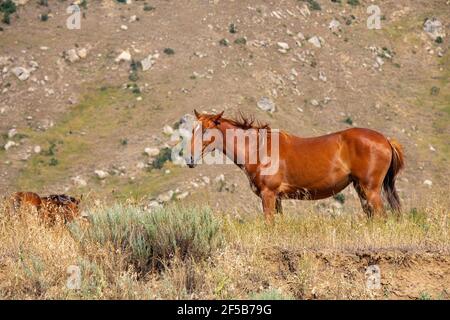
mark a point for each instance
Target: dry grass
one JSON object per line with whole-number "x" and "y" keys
{"x": 307, "y": 255}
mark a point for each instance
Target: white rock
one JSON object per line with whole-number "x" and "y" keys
{"x": 37, "y": 149}
{"x": 140, "y": 165}
{"x": 322, "y": 76}
{"x": 71, "y": 55}
{"x": 305, "y": 11}
{"x": 124, "y": 27}
{"x": 101, "y": 174}
{"x": 9, "y": 145}
{"x": 82, "y": 53}
{"x": 133, "y": 18}
{"x": 428, "y": 183}
{"x": 168, "y": 130}
{"x": 79, "y": 181}
{"x": 182, "y": 195}
{"x": 21, "y": 73}
{"x": 283, "y": 45}
{"x": 315, "y": 41}
{"x": 151, "y": 152}
{"x": 165, "y": 197}
{"x": 20, "y": 2}
{"x": 12, "y": 132}
{"x": 149, "y": 61}
{"x": 124, "y": 56}
{"x": 266, "y": 104}
{"x": 314, "y": 102}
{"x": 205, "y": 180}
{"x": 432, "y": 148}
{"x": 300, "y": 36}
{"x": 334, "y": 25}
{"x": 34, "y": 65}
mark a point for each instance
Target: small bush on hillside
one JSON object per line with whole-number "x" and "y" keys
{"x": 148, "y": 7}
{"x": 164, "y": 155}
{"x": 348, "y": 120}
{"x": 224, "y": 42}
{"x": 169, "y": 51}
{"x": 241, "y": 40}
{"x": 232, "y": 28}
{"x": 44, "y": 17}
{"x": 7, "y": 7}
{"x": 313, "y": 4}
{"x": 353, "y": 2}
{"x": 340, "y": 197}
{"x": 152, "y": 240}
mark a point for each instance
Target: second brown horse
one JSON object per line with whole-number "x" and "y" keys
{"x": 49, "y": 208}
{"x": 311, "y": 168}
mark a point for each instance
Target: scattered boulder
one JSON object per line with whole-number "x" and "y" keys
{"x": 182, "y": 195}
{"x": 151, "y": 152}
{"x": 334, "y": 26}
{"x": 149, "y": 61}
{"x": 101, "y": 174}
{"x": 124, "y": 56}
{"x": 79, "y": 181}
{"x": 82, "y": 53}
{"x": 283, "y": 47}
{"x": 12, "y": 132}
{"x": 71, "y": 55}
{"x": 37, "y": 149}
{"x": 266, "y": 104}
{"x": 168, "y": 130}
{"x": 21, "y": 73}
{"x": 428, "y": 183}
{"x": 205, "y": 179}
{"x": 9, "y": 145}
{"x": 316, "y": 41}
{"x": 165, "y": 197}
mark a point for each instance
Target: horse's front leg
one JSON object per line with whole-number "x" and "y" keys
{"x": 269, "y": 199}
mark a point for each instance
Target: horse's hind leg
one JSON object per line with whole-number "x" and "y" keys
{"x": 279, "y": 206}
{"x": 370, "y": 197}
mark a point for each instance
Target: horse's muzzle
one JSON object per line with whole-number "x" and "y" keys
{"x": 190, "y": 162}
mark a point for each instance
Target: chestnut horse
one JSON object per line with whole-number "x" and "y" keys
{"x": 309, "y": 168}
{"x": 49, "y": 208}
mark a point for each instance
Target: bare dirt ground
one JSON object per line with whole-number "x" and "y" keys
{"x": 99, "y": 114}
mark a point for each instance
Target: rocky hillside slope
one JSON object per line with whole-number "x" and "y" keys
{"x": 82, "y": 110}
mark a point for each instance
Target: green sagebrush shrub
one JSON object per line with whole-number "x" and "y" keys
{"x": 150, "y": 240}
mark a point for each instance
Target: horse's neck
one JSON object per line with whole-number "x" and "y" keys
{"x": 236, "y": 152}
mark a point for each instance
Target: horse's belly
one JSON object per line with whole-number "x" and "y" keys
{"x": 313, "y": 192}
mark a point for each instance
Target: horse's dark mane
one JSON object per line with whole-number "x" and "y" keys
{"x": 61, "y": 198}
{"x": 245, "y": 122}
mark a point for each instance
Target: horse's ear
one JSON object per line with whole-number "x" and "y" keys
{"x": 217, "y": 117}
{"x": 196, "y": 114}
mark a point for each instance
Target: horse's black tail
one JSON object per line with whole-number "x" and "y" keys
{"x": 397, "y": 163}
